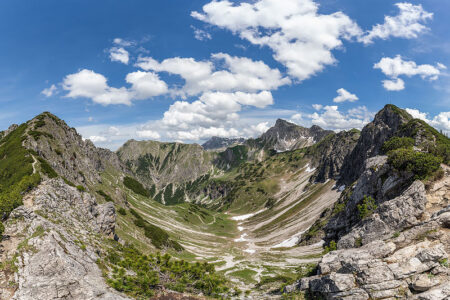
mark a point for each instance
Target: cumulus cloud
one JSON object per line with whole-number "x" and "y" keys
{"x": 119, "y": 54}
{"x": 396, "y": 84}
{"x": 331, "y": 118}
{"x": 344, "y": 95}
{"x": 300, "y": 37}
{"x": 146, "y": 84}
{"x": 200, "y": 34}
{"x": 97, "y": 138}
{"x": 407, "y": 24}
{"x": 441, "y": 121}
{"x": 395, "y": 67}
{"x": 148, "y": 134}
{"x": 236, "y": 74}
{"x": 317, "y": 106}
{"x": 50, "y": 91}
{"x": 88, "y": 84}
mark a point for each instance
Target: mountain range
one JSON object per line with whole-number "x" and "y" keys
{"x": 297, "y": 213}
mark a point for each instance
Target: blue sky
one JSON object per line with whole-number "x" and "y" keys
{"x": 186, "y": 70}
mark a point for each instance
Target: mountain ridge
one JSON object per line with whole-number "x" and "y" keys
{"x": 241, "y": 212}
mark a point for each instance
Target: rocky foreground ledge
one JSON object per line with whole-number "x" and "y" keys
{"x": 398, "y": 252}
{"x": 48, "y": 245}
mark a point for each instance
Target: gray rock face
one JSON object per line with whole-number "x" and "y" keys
{"x": 393, "y": 215}
{"x": 383, "y": 184}
{"x": 285, "y": 136}
{"x": 69, "y": 155}
{"x": 218, "y": 143}
{"x": 378, "y": 270}
{"x": 328, "y": 155}
{"x": 385, "y": 124}
{"x": 55, "y": 239}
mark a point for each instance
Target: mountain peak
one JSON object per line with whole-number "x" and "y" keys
{"x": 286, "y": 136}
{"x": 219, "y": 143}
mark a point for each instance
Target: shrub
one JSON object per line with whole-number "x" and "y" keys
{"x": 47, "y": 169}
{"x": 420, "y": 164}
{"x": 81, "y": 188}
{"x": 140, "y": 275}
{"x": 331, "y": 247}
{"x": 397, "y": 143}
{"x": 135, "y": 186}
{"x": 2, "y": 229}
{"x": 122, "y": 211}
{"x": 158, "y": 236}
{"x": 105, "y": 195}
{"x": 367, "y": 207}
{"x": 16, "y": 171}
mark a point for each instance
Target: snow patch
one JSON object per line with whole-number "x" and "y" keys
{"x": 309, "y": 169}
{"x": 240, "y": 228}
{"x": 251, "y": 251}
{"x": 241, "y": 238}
{"x": 247, "y": 216}
{"x": 341, "y": 188}
{"x": 290, "y": 242}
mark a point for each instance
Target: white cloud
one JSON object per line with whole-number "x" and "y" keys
{"x": 88, "y": 84}
{"x": 119, "y": 54}
{"x": 97, "y": 138}
{"x": 441, "y": 66}
{"x": 296, "y": 117}
{"x": 332, "y": 118}
{"x": 407, "y": 24}
{"x": 395, "y": 67}
{"x": 148, "y": 134}
{"x": 48, "y": 92}
{"x": 237, "y": 74}
{"x": 123, "y": 43}
{"x": 396, "y": 84}
{"x": 146, "y": 84}
{"x": 300, "y": 37}
{"x": 344, "y": 95}
{"x": 317, "y": 106}
{"x": 200, "y": 34}
{"x": 440, "y": 121}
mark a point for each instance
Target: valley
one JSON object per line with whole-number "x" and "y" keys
{"x": 293, "y": 214}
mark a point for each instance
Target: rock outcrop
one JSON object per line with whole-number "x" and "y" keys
{"x": 52, "y": 241}
{"x": 329, "y": 154}
{"x": 69, "y": 155}
{"x": 386, "y": 123}
{"x": 218, "y": 143}
{"x": 286, "y": 136}
{"x": 157, "y": 163}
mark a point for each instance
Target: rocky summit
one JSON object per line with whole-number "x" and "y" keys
{"x": 297, "y": 213}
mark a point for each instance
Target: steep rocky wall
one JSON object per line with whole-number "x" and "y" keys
{"x": 50, "y": 246}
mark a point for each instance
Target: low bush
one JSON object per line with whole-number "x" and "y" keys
{"x": 420, "y": 164}
{"x": 397, "y": 143}
{"x": 47, "y": 169}
{"x": 367, "y": 207}
{"x": 135, "y": 186}
{"x": 140, "y": 275}
{"x": 105, "y": 195}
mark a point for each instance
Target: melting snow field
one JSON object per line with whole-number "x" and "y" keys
{"x": 247, "y": 216}
{"x": 291, "y": 242}
{"x": 242, "y": 238}
{"x": 309, "y": 169}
